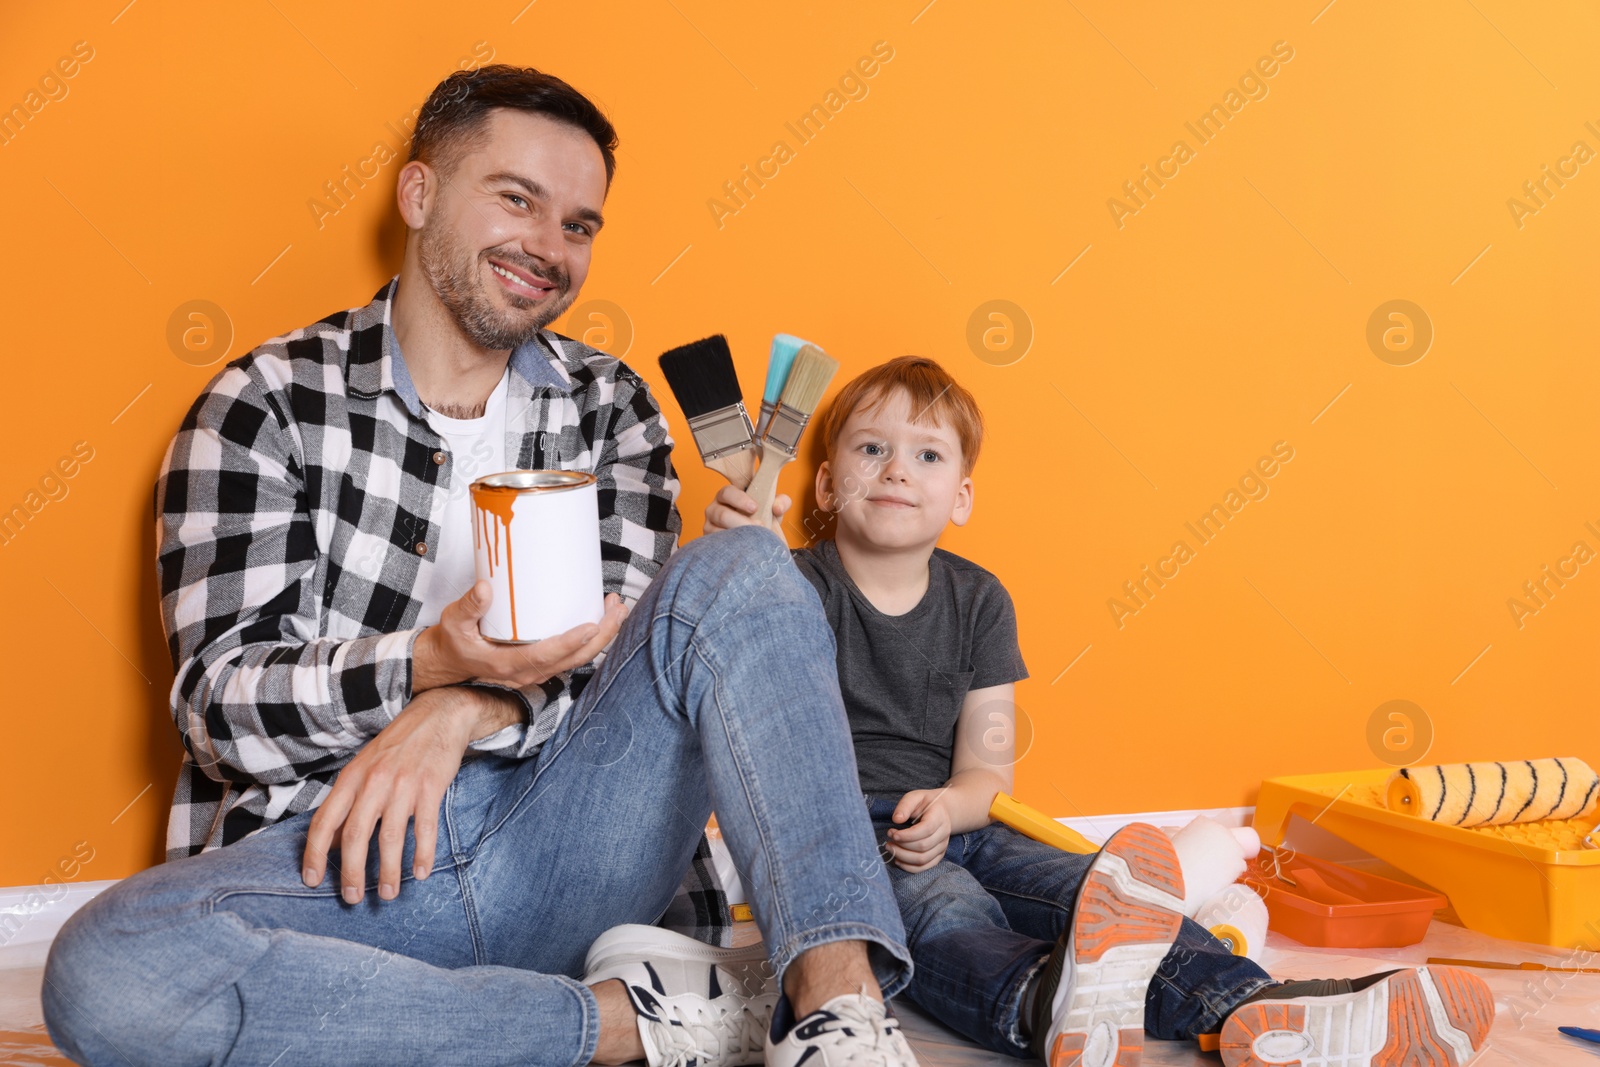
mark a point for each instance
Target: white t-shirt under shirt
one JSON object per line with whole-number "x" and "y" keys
{"x": 477, "y": 447}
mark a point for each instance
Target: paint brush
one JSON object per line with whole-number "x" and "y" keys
{"x": 808, "y": 379}
{"x": 784, "y": 347}
{"x": 702, "y": 376}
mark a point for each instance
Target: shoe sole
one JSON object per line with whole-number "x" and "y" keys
{"x": 1422, "y": 1017}
{"x": 1127, "y": 916}
{"x": 747, "y": 966}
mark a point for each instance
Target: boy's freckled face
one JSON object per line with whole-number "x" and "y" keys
{"x": 894, "y": 483}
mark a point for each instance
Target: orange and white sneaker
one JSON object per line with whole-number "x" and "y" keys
{"x": 1438, "y": 1016}
{"x": 1089, "y": 1006}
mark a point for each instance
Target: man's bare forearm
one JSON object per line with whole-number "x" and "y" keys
{"x": 492, "y": 709}
{"x": 480, "y": 711}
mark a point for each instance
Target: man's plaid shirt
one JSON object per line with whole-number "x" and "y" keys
{"x": 296, "y": 515}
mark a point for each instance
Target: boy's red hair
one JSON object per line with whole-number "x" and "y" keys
{"x": 935, "y": 397}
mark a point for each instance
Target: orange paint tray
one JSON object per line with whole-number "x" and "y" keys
{"x": 1332, "y": 906}
{"x": 1530, "y": 882}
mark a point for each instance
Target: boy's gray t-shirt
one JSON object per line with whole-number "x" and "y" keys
{"x": 904, "y": 677}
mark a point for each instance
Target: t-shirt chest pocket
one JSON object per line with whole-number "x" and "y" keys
{"x": 946, "y": 691}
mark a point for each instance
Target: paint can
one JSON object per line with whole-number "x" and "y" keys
{"x": 536, "y": 539}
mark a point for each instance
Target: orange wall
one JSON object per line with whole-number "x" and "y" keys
{"x": 1185, "y": 340}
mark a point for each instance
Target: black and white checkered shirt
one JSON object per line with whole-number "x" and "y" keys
{"x": 297, "y": 522}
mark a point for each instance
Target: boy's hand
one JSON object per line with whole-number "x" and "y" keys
{"x": 916, "y": 848}
{"x": 734, "y": 507}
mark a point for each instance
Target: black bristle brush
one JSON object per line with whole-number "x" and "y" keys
{"x": 702, "y": 376}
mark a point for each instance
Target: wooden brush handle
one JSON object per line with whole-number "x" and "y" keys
{"x": 764, "y": 487}
{"x": 737, "y": 468}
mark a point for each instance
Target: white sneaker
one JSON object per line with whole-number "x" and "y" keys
{"x": 1089, "y": 1007}
{"x": 698, "y": 1005}
{"x": 852, "y": 1030}
{"x": 673, "y": 963}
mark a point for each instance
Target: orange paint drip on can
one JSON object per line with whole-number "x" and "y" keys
{"x": 498, "y": 502}
{"x": 549, "y": 521}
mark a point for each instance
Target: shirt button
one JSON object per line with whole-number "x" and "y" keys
{"x": 422, "y": 548}
{"x": 438, "y": 457}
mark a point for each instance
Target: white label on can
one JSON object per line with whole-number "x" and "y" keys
{"x": 540, "y": 551}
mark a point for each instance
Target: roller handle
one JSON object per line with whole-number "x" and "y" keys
{"x": 1040, "y": 827}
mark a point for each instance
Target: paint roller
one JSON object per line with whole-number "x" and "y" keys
{"x": 1495, "y": 794}
{"x": 1213, "y": 857}
{"x": 1238, "y": 918}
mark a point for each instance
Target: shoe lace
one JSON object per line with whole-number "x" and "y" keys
{"x": 879, "y": 1042}
{"x": 712, "y": 1033}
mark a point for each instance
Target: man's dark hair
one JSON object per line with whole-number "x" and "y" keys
{"x": 452, "y": 121}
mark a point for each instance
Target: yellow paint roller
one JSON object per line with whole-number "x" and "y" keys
{"x": 1494, "y": 794}
{"x": 1030, "y": 822}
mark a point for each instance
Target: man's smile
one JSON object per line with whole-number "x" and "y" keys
{"x": 521, "y": 282}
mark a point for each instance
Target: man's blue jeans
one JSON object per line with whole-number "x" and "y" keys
{"x": 720, "y": 691}
{"x": 983, "y": 920}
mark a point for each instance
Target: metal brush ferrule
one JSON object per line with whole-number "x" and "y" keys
{"x": 723, "y": 432}
{"x": 767, "y": 408}
{"x": 785, "y": 429}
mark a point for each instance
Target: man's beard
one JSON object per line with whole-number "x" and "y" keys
{"x": 457, "y": 278}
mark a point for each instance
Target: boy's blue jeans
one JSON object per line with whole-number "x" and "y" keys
{"x": 719, "y": 691}
{"x": 983, "y": 920}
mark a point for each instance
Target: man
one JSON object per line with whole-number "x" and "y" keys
{"x": 347, "y": 726}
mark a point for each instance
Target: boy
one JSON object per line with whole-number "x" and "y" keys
{"x": 1020, "y": 947}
